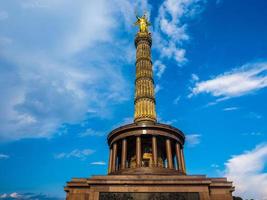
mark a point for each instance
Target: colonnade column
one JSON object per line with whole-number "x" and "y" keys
{"x": 114, "y": 157}
{"x": 178, "y": 157}
{"x": 123, "y": 153}
{"x": 155, "y": 151}
{"x": 169, "y": 153}
{"x": 110, "y": 161}
{"x": 138, "y": 151}
{"x": 183, "y": 162}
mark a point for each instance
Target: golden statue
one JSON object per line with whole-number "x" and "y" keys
{"x": 143, "y": 23}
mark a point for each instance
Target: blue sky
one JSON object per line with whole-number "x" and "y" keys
{"x": 67, "y": 79}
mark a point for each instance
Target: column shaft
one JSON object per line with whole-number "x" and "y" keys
{"x": 110, "y": 161}
{"x": 183, "y": 162}
{"x": 144, "y": 85}
{"x": 138, "y": 151}
{"x": 178, "y": 156}
{"x": 123, "y": 153}
{"x": 114, "y": 157}
{"x": 155, "y": 151}
{"x": 169, "y": 153}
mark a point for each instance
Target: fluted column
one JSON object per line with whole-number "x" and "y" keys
{"x": 110, "y": 161}
{"x": 123, "y": 153}
{"x": 169, "y": 153}
{"x": 178, "y": 157}
{"x": 144, "y": 83}
{"x": 138, "y": 151}
{"x": 183, "y": 162}
{"x": 155, "y": 151}
{"x": 114, "y": 157}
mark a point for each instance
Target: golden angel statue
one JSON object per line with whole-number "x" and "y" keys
{"x": 143, "y": 23}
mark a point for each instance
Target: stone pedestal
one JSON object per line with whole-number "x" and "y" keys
{"x": 149, "y": 187}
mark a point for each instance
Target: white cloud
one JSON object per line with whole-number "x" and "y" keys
{"x": 253, "y": 134}
{"x": 169, "y": 122}
{"x": 4, "y": 156}
{"x": 194, "y": 77}
{"x": 76, "y": 153}
{"x": 240, "y": 81}
{"x": 254, "y": 115}
{"x": 247, "y": 171}
{"x": 171, "y": 29}
{"x": 27, "y": 196}
{"x": 176, "y": 100}
{"x": 166, "y": 121}
{"x": 157, "y": 88}
{"x": 3, "y": 195}
{"x": 98, "y": 163}
{"x": 65, "y": 70}
{"x": 215, "y": 166}
{"x": 91, "y": 132}
{"x": 92, "y": 26}
{"x": 129, "y": 8}
{"x": 230, "y": 108}
{"x": 13, "y": 195}
{"x": 192, "y": 140}
{"x": 126, "y": 120}
{"x": 159, "y": 68}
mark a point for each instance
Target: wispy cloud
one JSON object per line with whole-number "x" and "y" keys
{"x": 253, "y": 134}
{"x": 240, "y": 81}
{"x": 176, "y": 100}
{"x": 230, "y": 108}
{"x": 4, "y": 156}
{"x": 193, "y": 140}
{"x": 27, "y": 196}
{"x": 249, "y": 166}
{"x": 13, "y": 195}
{"x": 166, "y": 121}
{"x": 157, "y": 88}
{"x": 159, "y": 68}
{"x": 126, "y": 120}
{"x": 91, "y": 132}
{"x": 66, "y": 75}
{"x": 98, "y": 163}
{"x": 76, "y": 153}
{"x": 215, "y": 165}
{"x": 254, "y": 115}
{"x": 194, "y": 78}
{"x": 171, "y": 27}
